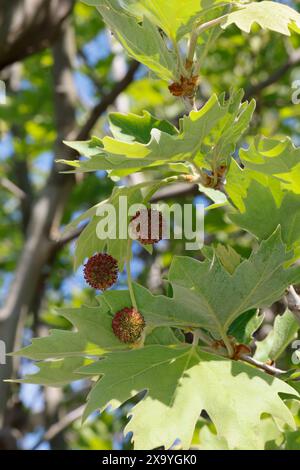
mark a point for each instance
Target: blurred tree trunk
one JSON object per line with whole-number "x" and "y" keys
{"x": 46, "y": 211}
{"x": 22, "y": 24}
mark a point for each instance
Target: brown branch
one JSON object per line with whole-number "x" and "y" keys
{"x": 64, "y": 240}
{"x": 106, "y": 101}
{"x": 62, "y": 424}
{"x": 294, "y": 59}
{"x": 261, "y": 365}
{"x": 176, "y": 190}
{"x": 13, "y": 188}
{"x": 28, "y": 26}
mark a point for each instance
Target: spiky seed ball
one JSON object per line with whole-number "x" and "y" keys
{"x": 128, "y": 325}
{"x": 101, "y": 271}
{"x": 149, "y": 229}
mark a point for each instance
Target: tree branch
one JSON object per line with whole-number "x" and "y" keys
{"x": 294, "y": 59}
{"x": 28, "y": 26}
{"x": 62, "y": 424}
{"x": 261, "y": 365}
{"x": 48, "y": 208}
{"x": 106, "y": 101}
{"x": 13, "y": 188}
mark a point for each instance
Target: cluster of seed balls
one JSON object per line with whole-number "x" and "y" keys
{"x": 101, "y": 272}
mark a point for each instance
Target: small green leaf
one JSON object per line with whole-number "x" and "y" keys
{"x": 218, "y": 197}
{"x": 243, "y": 328}
{"x": 284, "y": 331}
{"x": 228, "y": 257}
{"x": 134, "y": 128}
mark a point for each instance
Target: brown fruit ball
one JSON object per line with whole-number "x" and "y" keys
{"x": 101, "y": 271}
{"x": 149, "y": 227}
{"x": 128, "y": 325}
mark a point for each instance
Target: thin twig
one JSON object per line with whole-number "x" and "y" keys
{"x": 64, "y": 240}
{"x": 293, "y": 59}
{"x": 196, "y": 33}
{"x": 106, "y": 101}
{"x": 129, "y": 278}
{"x": 261, "y": 365}
{"x": 13, "y": 188}
{"x": 58, "y": 427}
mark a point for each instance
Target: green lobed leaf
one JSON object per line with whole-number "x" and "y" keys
{"x": 174, "y": 17}
{"x": 243, "y": 328}
{"x": 158, "y": 310}
{"x": 238, "y": 181}
{"x": 284, "y": 331}
{"x": 218, "y": 297}
{"x": 56, "y": 373}
{"x": 93, "y": 337}
{"x": 268, "y": 15}
{"x": 171, "y": 407}
{"x": 142, "y": 41}
{"x": 262, "y": 214}
{"x": 110, "y": 239}
{"x": 133, "y": 128}
{"x": 207, "y": 137}
{"x": 277, "y": 158}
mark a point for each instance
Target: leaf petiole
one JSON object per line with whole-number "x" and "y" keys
{"x": 129, "y": 278}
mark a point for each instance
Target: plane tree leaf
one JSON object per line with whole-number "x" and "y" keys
{"x": 219, "y": 297}
{"x": 207, "y": 137}
{"x": 175, "y": 17}
{"x": 93, "y": 333}
{"x": 268, "y": 15}
{"x": 57, "y": 373}
{"x": 158, "y": 310}
{"x": 141, "y": 39}
{"x": 243, "y": 328}
{"x": 277, "y": 158}
{"x": 262, "y": 214}
{"x": 112, "y": 233}
{"x": 131, "y": 127}
{"x": 171, "y": 408}
{"x": 92, "y": 337}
